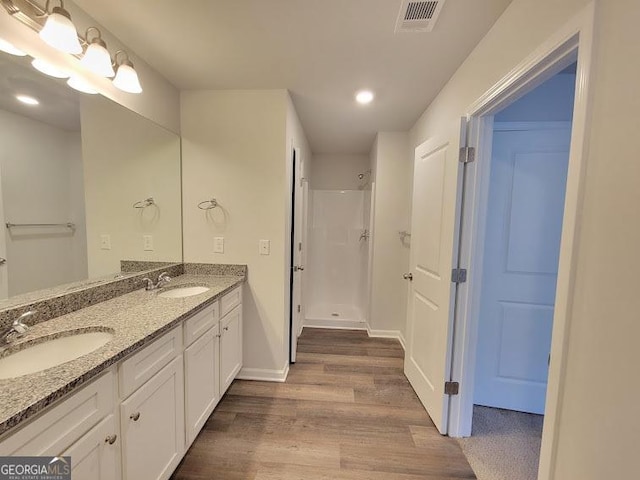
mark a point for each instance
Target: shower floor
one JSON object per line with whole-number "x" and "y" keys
{"x": 334, "y": 316}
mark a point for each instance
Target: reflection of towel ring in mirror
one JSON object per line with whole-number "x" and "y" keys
{"x": 144, "y": 203}
{"x": 208, "y": 204}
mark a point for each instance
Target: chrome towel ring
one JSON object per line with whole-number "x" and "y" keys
{"x": 144, "y": 203}
{"x": 208, "y": 204}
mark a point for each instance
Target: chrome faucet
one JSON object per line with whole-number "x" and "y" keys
{"x": 163, "y": 279}
{"x": 17, "y": 328}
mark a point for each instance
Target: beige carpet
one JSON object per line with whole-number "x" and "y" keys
{"x": 504, "y": 445}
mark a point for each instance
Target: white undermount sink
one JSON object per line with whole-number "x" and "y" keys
{"x": 51, "y": 353}
{"x": 181, "y": 292}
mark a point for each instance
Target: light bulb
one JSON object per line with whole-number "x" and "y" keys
{"x": 364, "y": 97}
{"x": 98, "y": 60}
{"x": 11, "y": 49}
{"x": 60, "y": 32}
{"x": 127, "y": 78}
{"x": 26, "y": 99}
{"x": 80, "y": 85}
{"x": 48, "y": 69}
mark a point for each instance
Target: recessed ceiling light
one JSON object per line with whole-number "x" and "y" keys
{"x": 10, "y": 48}
{"x": 26, "y": 99}
{"x": 48, "y": 69}
{"x": 364, "y": 96}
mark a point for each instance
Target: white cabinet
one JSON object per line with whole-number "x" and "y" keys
{"x": 230, "y": 347}
{"x": 96, "y": 456}
{"x": 152, "y": 426}
{"x": 202, "y": 381}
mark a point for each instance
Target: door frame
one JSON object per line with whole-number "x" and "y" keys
{"x": 573, "y": 42}
{"x": 296, "y": 231}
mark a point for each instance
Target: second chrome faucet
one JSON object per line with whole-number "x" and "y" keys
{"x": 163, "y": 279}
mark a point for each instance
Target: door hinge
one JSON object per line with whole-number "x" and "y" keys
{"x": 298, "y": 308}
{"x": 467, "y": 154}
{"x": 459, "y": 275}
{"x": 451, "y": 388}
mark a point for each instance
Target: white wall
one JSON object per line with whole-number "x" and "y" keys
{"x": 128, "y": 158}
{"x": 598, "y": 423}
{"x": 390, "y": 259}
{"x": 160, "y": 100}
{"x": 338, "y": 172}
{"x": 550, "y": 102}
{"x": 41, "y": 173}
{"x": 234, "y": 148}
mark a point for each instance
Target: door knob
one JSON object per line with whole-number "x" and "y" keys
{"x": 298, "y": 267}
{"x": 408, "y": 276}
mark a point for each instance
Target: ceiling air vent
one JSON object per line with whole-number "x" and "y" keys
{"x": 418, "y": 16}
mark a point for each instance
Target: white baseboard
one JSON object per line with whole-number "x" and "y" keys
{"x": 264, "y": 374}
{"x": 397, "y": 334}
{"x": 339, "y": 324}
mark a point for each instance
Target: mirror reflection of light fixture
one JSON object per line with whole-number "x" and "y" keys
{"x": 59, "y": 31}
{"x": 48, "y": 69}
{"x": 126, "y": 76}
{"x": 10, "y": 48}
{"x": 97, "y": 58}
{"x": 80, "y": 85}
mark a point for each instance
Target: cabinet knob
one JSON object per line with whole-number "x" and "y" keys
{"x": 111, "y": 439}
{"x": 408, "y": 276}
{"x": 135, "y": 416}
{"x": 226, "y": 328}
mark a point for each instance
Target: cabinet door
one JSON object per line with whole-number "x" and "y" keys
{"x": 201, "y": 381}
{"x": 230, "y": 347}
{"x": 96, "y": 456}
{"x": 152, "y": 426}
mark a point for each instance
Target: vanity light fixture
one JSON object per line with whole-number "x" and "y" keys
{"x": 48, "y": 69}
{"x": 126, "y": 76}
{"x": 97, "y": 58}
{"x": 80, "y": 85}
{"x": 11, "y": 48}
{"x": 59, "y": 31}
{"x": 27, "y": 100}
{"x": 364, "y": 97}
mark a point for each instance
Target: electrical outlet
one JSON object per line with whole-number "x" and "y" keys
{"x": 105, "y": 242}
{"x": 147, "y": 243}
{"x": 218, "y": 245}
{"x": 265, "y": 247}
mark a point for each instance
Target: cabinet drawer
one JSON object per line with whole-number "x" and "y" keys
{"x": 230, "y": 301}
{"x": 54, "y": 431}
{"x": 139, "y": 368}
{"x": 202, "y": 321}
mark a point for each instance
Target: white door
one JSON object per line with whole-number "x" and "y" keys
{"x": 520, "y": 265}
{"x": 96, "y": 456}
{"x": 436, "y": 184}
{"x": 230, "y": 347}
{"x": 299, "y": 226}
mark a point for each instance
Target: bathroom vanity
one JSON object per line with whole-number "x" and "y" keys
{"x": 131, "y": 408}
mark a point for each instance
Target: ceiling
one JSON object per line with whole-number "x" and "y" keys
{"x": 322, "y": 51}
{"x": 59, "y": 105}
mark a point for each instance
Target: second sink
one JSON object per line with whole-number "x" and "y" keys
{"x": 181, "y": 292}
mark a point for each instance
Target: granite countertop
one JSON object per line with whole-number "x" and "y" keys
{"x": 135, "y": 319}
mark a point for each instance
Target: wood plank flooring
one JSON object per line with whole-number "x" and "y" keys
{"x": 346, "y": 412}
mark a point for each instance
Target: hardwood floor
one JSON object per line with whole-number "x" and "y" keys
{"x": 346, "y": 412}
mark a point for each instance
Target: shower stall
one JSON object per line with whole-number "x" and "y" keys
{"x": 338, "y": 258}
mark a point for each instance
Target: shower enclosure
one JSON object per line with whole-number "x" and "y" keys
{"x": 338, "y": 258}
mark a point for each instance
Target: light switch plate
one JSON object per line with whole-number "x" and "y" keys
{"x": 265, "y": 247}
{"x": 147, "y": 243}
{"x": 105, "y": 242}
{"x": 218, "y": 245}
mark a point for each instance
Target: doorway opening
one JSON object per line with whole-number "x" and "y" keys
{"x": 519, "y": 236}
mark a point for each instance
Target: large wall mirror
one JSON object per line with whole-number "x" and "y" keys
{"x": 84, "y": 184}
